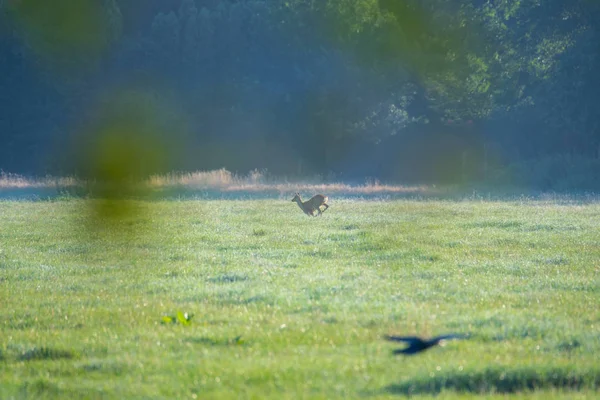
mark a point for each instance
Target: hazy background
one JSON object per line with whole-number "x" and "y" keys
{"x": 428, "y": 91}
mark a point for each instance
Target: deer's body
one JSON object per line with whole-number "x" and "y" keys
{"x": 314, "y": 204}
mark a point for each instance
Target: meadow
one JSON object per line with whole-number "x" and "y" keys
{"x": 288, "y": 306}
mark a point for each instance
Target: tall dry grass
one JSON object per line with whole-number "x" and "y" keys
{"x": 225, "y": 181}
{"x": 199, "y": 179}
{"x": 260, "y": 181}
{"x": 15, "y": 181}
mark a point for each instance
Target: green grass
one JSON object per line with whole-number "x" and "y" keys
{"x": 287, "y": 306}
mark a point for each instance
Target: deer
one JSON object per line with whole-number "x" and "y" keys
{"x": 314, "y": 204}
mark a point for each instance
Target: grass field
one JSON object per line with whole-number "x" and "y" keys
{"x": 287, "y": 306}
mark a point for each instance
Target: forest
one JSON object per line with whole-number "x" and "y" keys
{"x": 409, "y": 91}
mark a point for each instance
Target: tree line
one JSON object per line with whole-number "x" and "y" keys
{"x": 402, "y": 90}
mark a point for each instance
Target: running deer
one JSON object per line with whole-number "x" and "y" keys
{"x": 314, "y": 204}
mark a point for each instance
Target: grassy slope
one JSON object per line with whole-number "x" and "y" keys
{"x": 80, "y": 309}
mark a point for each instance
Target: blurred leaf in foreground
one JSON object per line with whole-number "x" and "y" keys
{"x": 67, "y": 31}
{"x": 129, "y": 139}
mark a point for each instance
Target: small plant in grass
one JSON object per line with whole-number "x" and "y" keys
{"x": 180, "y": 318}
{"x": 237, "y": 340}
{"x": 259, "y": 232}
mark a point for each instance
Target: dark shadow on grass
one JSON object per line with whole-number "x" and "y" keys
{"x": 259, "y": 232}
{"x": 519, "y": 226}
{"x": 310, "y": 309}
{"x": 575, "y": 287}
{"x": 323, "y": 254}
{"x": 350, "y": 227}
{"x": 550, "y": 228}
{"x": 42, "y": 388}
{"x": 103, "y": 367}
{"x": 559, "y": 260}
{"x": 232, "y": 300}
{"x": 498, "y": 380}
{"x": 208, "y": 341}
{"x": 496, "y": 224}
{"x": 45, "y": 353}
{"x": 569, "y": 345}
{"x": 228, "y": 278}
{"x": 322, "y": 293}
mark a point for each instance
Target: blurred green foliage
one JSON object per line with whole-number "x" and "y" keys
{"x": 129, "y": 139}
{"x": 64, "y": 31}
